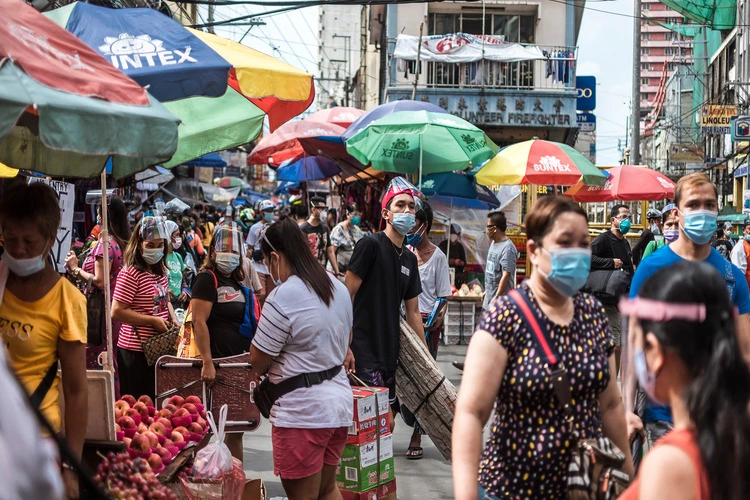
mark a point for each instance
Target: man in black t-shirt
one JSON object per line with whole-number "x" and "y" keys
{"x": 381, "y": 274}
{"x": 317, "y": 234}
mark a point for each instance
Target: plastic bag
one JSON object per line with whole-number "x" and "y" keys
{"x": 229, "y": 486}
{"x": 215, "y": 459}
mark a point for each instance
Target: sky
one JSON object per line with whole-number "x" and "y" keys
{"x": 605, "y": 51}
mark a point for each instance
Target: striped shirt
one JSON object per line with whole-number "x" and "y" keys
{"x": 144, "y": 293}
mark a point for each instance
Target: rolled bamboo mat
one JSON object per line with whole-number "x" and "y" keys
{"x": 422, "y": 387}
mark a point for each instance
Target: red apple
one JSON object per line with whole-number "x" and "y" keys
{"x": 202, "y": 414}
{"x": 153, "y": 438}
{"x": 183, "y": 431}
{"x": 168, "y": 443}
{"x": 163, "y": 453}
{"x": 195, "y": 400}
{"x": 126, "y": 422}
{"x": 140, "y": 443}
{"x": 172, "y": 408}
{"x": 130, "y": 400}
{"x": 118, "y": 428}
{"x": 146, "y": 400}
{"x": 142, "y": 409}
{"x": 120, "y": 408}
{"x": 165, "y": 422}
{"x": 130, "y": 412}
{"x": 195, "y": 428}
{"x": 202, "y": 422}
{"x": 163, "y": 414}
{"x": 177, "y": 401}
{"x": 142, "y": 428}
{"x": 178, "y": 437}
{"x": 127, "y": 441}
{"x": 155, "y": 461}
{"x": 158, "y": 428}
{"x": 181, "y": 418}
{"x": 190, "y": 407}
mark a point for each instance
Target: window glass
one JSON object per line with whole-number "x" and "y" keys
{"x": 527, "y": 29}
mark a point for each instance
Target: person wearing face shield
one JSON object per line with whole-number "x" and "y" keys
{"x": 684, "y": 348}
{"x": 506, "y": 371}
{"x": 219, "y": 307}
{"x": 670, "y": 231}
{"x": 383, "y": 274}
{"x": 654, "y": 230}
{"x": 345, "y": 235}
{"x": 611, "y": 251}
{"x": 696, "y": 211}
{"x": 179, "y": 290}
{"x": 44, "y": 321}
{"x": 141, "y": 301}
{"x": 265, "y": 210}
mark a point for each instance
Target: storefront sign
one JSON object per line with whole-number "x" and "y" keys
{"x": 717, "y": 118}
{"x": 586, "y": 122}
{"x": 463, "y": 48}
{"x": 66, "y": 197}
{"x": 586, "y": 88}
{"x": 740, "y": 172}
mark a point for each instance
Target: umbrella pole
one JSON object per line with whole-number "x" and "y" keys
{"x": 448, "y": 244}
{"x": 107, "y": 301}
{"x": 420, "y": 162}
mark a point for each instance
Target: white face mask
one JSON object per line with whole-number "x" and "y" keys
{"x": 227, "y": 262}
{"x": 454, "y": 238}
{"x": 177, "y": 243}
{"x": 152, "y": 255}
{"x": 276, "y": 282}
{"x": 24, "y": 267}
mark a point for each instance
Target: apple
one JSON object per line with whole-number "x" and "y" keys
{"x": 177, "y": 401}
{"x": 168, "y": 442}
{"x": 202, "y": 414}
{"x": 142, "y": 409}
{"x": 163, "y": 453}
{"x": 128, "y": 399}
{"x": 142, "y": 427}
{"x": 153, "y": 438}
{"x": 181, "y": 418}
{"x": 140, "y": 443}
{"x": 118, "y": 428}
{"x": 146, "y": 400}
{"x": 163, "y": 414}
{"x": 158, "y": 428}
{"x": 178, "y": 437}
{"x": 183, "y": 431}
{"x": 120, "y": 408}
{"x": 132, "y": 413}
{"x": 202, "y": 422}
{"x": 191, "y": 408}
{"x": 172, "y": 408}
{"x": 165, "y": 422}
{"x": 195, "y": 428}
{"x": 126, "y": 422}
{"x": 127, "y": 441}
{"x": 194, "y": 400}
{"x": 155, "y": 461}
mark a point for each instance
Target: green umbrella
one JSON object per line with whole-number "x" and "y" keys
{"x": 421, "y": 142}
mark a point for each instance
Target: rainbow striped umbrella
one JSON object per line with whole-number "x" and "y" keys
{"x": 539, "y": 162}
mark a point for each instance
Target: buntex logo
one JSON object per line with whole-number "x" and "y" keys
{"x": 399, "y": 150}
{"x": 129, "y": 51}
{"x": 472, "y": 145}
{"x": 551, "y": 164}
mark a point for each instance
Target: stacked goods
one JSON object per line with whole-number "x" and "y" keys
{"x": 123, "y": 477}
{"x": 422, "y": 387}
{"x": 158, "y": 435}
{"x": 366, "y": 465}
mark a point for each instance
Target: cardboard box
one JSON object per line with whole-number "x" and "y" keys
{"x": 387, "y": 490}
{"x": 254, "y": 490}
{"x": 358, "y": 470}
{"x": 359, "y": 495}
{"x": 366, "y": 422}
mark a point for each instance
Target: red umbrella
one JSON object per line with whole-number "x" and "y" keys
{"x": 342, "y": 116}
{"x": 283, "y": 144}
{"x": 626, "y": 183}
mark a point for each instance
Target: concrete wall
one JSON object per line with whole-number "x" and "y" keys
{"x": 341, "y": 20}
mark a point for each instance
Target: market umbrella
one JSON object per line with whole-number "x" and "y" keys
{"x": 284, "y": 144}
{"x": 255, "y": 84}
{"x": 313, "y": 168}
{"x": 539, "y": 162}
{"x": 343, "y": 116}
{"x": 627, "y": 183}
{"x": 386, "y": 109}
{"x": 334, "y": 148}
{"x": 208, "y": 160}
{"x": 420, "y": 142}
{"x": 230, "y": 182}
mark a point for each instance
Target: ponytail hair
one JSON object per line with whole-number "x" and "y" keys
{"x": 718, "y": 394}
{"x": 286, "y": 237}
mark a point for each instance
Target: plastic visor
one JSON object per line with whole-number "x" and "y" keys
{"x": 153, "y": 228}
{"x": 400, "y": 185}
{"x": 228, "y": 238}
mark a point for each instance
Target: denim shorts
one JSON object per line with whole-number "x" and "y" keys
{"x": 483, "y": 495}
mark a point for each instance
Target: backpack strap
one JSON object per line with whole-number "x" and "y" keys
{"x": 555, "y": 367}
{"x": 44, "y": 386}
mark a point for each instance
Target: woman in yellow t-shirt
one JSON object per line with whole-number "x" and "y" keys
{"x": 43, "y": 317}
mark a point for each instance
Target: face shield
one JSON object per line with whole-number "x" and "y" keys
{"x": 400, "y": 185}
{"x": 228, "y": 238}
{"x": 153, "y": 228}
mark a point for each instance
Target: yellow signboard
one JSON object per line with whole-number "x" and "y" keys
{"x": 717, "y": 118}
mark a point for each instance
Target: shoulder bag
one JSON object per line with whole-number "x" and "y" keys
{"x": 595, "y": 470}
{"x": 186, "y": 345}
{"x": 608, "y": 285}
{"x": 160, "y": 344}
{"x": 95, "y": 312}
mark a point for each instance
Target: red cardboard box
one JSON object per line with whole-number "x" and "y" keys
{"x": 370, "y": 411}
{"x": 387, "y": 491}
{"x": 364, "y": 495}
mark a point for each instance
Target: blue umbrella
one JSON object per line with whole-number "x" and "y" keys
{"x": 285, "y": 186}
{"x": 387, "y": 109}
{"x": 459, "y": 190}
{"x": 154, "y": 50}
{"x": 209, "y": 160}
{"x": 309, "y": 168}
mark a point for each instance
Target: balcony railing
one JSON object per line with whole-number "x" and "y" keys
{"x": 556, "y": 72}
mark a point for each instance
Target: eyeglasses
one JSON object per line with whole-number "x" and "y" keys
{"x": 624, "y": 217}
{"x": 491, "y": 225}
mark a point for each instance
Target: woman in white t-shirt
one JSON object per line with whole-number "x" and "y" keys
{"x": 304, "y": 329}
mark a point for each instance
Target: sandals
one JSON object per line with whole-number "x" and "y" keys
{"x": 459, "y": 365}
{"x": 414, "y": 453}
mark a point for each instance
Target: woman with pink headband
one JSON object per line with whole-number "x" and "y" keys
{"x": 685, "y": 353}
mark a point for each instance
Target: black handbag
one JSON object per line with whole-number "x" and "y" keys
{"x": 95, "y": 313}
{"x": 608, "y": 285}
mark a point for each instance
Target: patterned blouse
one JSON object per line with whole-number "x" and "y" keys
{"x": 346, "y": 238}
{"x": 529, "y": 447}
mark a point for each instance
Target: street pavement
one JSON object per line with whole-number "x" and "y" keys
{"x": 430, "y": 477}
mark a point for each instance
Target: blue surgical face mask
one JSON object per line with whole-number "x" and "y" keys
{"x": 356, "y": 220}
{"x": 655, "y": 229}
{"x": 403, "y": 222}
{"x": 624, "y": 226}
{"x": 152, "y": 255}
{"x": 671, "y": 235}
{"x": 646, "y": 379}
{"x": 268, "y": 216}
{"x": 700, "y": 225}
{"x": 569, "y": 269}
{"x": 227, "y": 262}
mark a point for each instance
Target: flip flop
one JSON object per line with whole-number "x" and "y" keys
{"x": 459, "y": 365}
{"x": 416, "y": 453}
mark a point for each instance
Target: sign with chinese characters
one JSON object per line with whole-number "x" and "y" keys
{"x": 717, "y": 118}
{"x": 586, "y": 88}
{"x": 586, "y": 122}
{"x": 509, "y": 110}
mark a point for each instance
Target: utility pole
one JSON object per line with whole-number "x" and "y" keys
{"x": 211, "y": 8}
{"x": 418, "y": 66}
{"x": 635, "y": 119}
{"x": 348, "y": 75}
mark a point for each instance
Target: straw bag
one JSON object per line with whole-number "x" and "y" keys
{"x": 161, "y": 344}
{"x": 595, "y": 469}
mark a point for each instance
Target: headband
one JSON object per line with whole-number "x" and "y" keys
{"x": 656, "y": 310}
